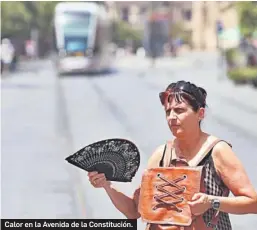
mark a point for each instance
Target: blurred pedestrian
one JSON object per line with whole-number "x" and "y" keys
{"x": 7, "y": 53}
{"x": 30, "y": 47}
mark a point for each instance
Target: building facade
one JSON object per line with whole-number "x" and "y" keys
{"x": 198, "y": 18}
{"x": 205, "y": 15}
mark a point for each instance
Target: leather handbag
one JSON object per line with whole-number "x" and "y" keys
{"x": 165, "y": 191}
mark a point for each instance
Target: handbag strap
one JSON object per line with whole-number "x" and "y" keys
{"x": 198, "y": 159}
{"x": 168, "y": 157}
{"x": 213, "y": 223}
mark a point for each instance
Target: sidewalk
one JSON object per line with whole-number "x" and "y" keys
{"x": 25, "y": 64}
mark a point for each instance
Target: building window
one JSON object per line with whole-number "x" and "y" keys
{"x": 187, "y": 15}
{"x": 125, "y": 14}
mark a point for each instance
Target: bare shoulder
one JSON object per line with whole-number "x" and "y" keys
{"x": 156, "y": 157}
{"x": 222, "y": 150}
{"x": 232, "y": 171}
{"x": 224, "y": 157}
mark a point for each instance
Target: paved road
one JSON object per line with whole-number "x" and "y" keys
{"x": 44, "y": 119}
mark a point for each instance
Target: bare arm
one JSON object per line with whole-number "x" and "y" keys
{"x": 234, "y": 176}
{"x": 125, "y": 204}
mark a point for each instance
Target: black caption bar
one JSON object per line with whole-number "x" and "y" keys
{"x": 71, "y": 223}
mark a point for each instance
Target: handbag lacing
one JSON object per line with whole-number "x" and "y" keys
{"x": 173, "y": 194}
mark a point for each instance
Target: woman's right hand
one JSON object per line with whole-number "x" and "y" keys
{"x": 98, "y": 180}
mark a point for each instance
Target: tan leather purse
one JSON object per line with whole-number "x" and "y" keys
{"x": 165, "y": 191}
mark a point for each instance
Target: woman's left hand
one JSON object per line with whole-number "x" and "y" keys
{"x": 200, "y": 203}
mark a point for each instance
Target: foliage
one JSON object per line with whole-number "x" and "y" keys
{"x": 177, "y": 31}
{"x": 248, "y": 16}
{"x": 231, "y": 55}
{"x": 20, "y": 17}
{"x": 123, "y": 31}
{"x": 243, "y": 73}
{"x": 14, "y": 18}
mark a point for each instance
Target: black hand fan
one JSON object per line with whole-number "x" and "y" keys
{"x": 118, "y": 159}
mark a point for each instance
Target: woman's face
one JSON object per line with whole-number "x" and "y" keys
{"x": 181, "y": 118}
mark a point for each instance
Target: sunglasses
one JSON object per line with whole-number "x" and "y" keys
{"x": 186, "y": 88}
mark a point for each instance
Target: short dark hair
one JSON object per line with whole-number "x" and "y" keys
{"x": 194, "y": 95}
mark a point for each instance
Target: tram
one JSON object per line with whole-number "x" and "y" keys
{"x": 83, "y": 37}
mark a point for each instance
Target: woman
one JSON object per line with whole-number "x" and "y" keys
{"x": 184, "y": 105}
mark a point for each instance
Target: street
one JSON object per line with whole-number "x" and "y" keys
{"x": 46, "y": 118}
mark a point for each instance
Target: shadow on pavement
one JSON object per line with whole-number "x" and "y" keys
{"x": 108, "y": 73}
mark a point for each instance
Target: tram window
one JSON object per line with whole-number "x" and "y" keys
{"x": 74, "y": 44}
{"x": 81, "y": 17}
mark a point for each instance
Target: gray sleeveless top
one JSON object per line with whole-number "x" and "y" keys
{"x": 213, "y": 186}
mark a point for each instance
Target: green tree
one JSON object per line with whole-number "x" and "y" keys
{"x": 15, "y": 18}
{"x": 248, "y": 16}
{"x": 177, "y": 31}
{"x": 19, "y": 18}
{"x": 122, "y": 32}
